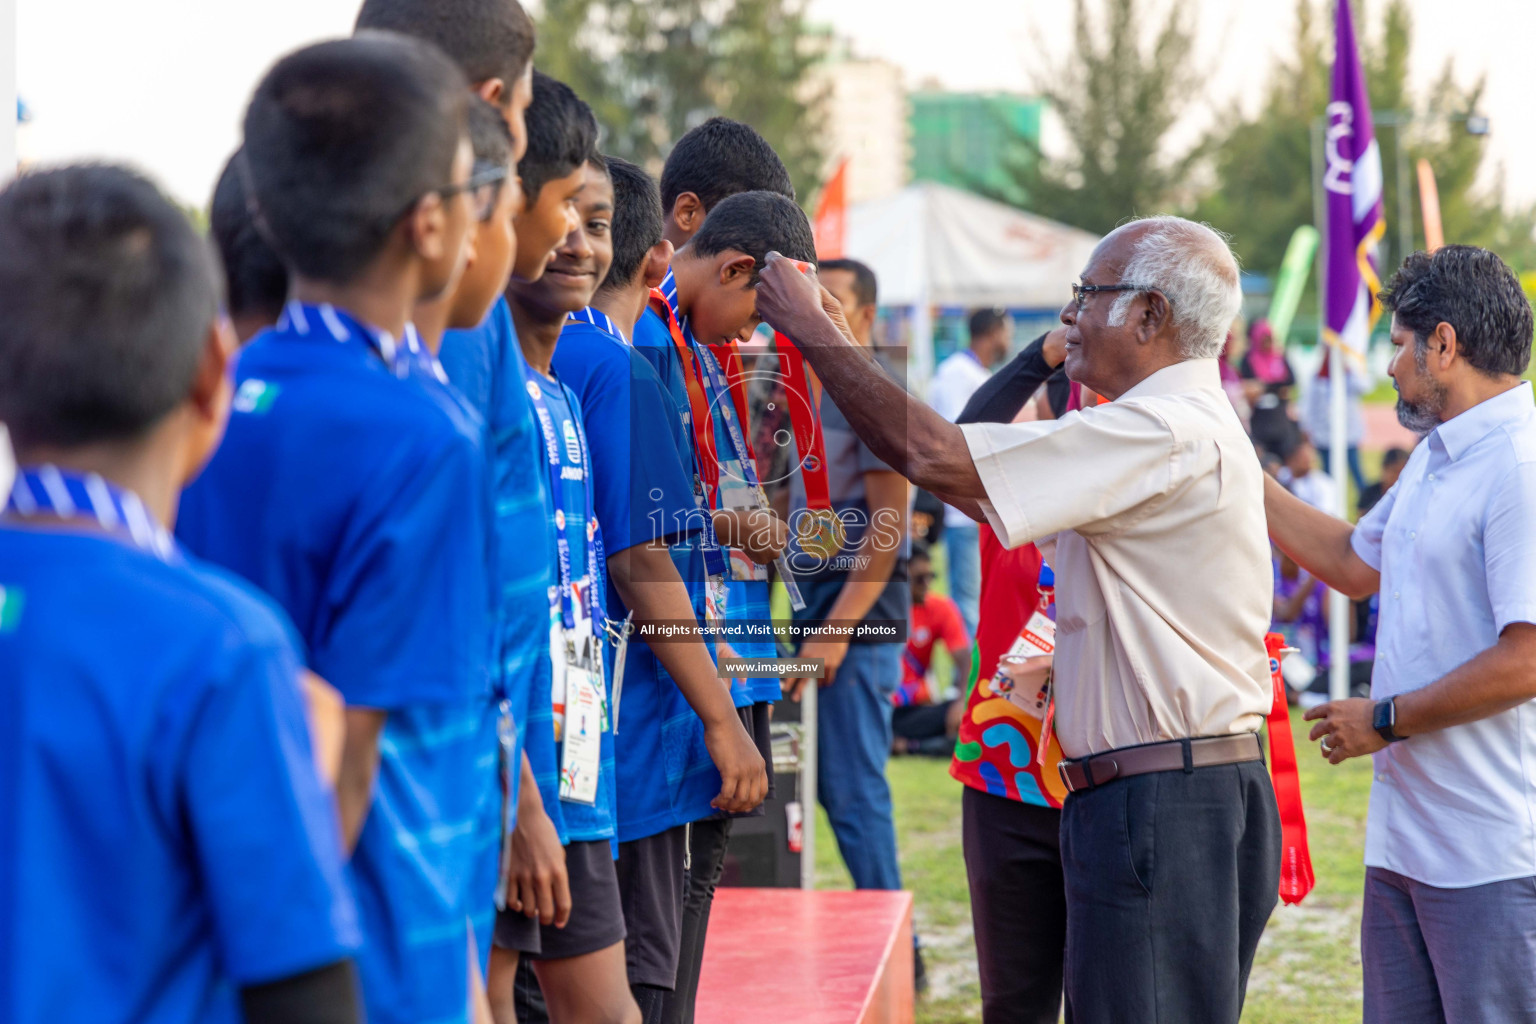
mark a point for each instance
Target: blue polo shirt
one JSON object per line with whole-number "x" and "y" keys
{"x": 575, "y": 822}
{"x": 486, "y": 365}
{"x": 357, "y": 500}
{"x": 665, "y": 776}
{"x": 486, "y": 853}
{"x": 164, "y": 837}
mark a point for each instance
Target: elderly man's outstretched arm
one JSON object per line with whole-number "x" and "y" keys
{"x": 907, "y": 435}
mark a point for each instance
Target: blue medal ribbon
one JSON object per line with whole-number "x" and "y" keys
{"x": 47, "y": 490}
{"x": 403, "y": 357}
{"x": 602, "y": 321}
{"x": 594, "y": 548}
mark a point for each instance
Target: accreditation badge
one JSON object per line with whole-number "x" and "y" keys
{"x": 581, "y": 749}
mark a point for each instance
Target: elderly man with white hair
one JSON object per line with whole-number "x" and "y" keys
{"x": 1151, "y": 510}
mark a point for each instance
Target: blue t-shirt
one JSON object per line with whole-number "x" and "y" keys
{"x": 644, "y": 491}
{"x": 486, "y": 852}
{"x": 356, "y": 499}
{"x": 164, "y": 837}
{"x": 575, "y": 822}
{"x": 486, "y": 364}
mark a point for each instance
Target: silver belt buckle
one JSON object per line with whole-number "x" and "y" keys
{"x": 1066, "y": 779}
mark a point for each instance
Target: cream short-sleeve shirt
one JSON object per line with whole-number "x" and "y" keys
{"x": 1151, "y": 511}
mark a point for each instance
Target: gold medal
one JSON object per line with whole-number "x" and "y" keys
{"x": 820, "y": 532}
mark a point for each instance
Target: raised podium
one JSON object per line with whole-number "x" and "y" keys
{"x": 777, "y": 955}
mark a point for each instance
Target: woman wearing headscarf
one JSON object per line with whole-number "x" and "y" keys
{"x": 1269, "y": 381}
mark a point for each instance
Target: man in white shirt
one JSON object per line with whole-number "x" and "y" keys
{"x": 1449, "y": 927}
{"x": 1151, "y": 510}
{"x": 954, "y": 382}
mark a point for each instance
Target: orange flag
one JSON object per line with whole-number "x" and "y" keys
{"x": 1429, "y": 198}
{"x": 831, "y": 222}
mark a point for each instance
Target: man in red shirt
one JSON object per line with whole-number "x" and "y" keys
{"x": 920, "y": 725}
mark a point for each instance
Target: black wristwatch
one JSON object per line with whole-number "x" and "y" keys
{"x": 1384, "y": 718}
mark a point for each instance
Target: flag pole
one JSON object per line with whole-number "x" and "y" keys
{"x": 1338, "y": 444}
{"x": 1338, "y": 604}
{"x": 10, "y": 154}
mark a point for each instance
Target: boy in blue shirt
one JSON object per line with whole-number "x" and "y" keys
{"x": 354, "y": 493}
{"x": 711, "y": 162}
{"x": 167, "y": 852}
{"x": 494, "y": 202}
{"x": 643, "y": 457}
{"x": 581, "y": 967}
{"x": 492, "y": 41}
{"x": 708, "y": 300}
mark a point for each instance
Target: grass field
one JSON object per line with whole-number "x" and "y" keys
{"x": 1308, "y": 966}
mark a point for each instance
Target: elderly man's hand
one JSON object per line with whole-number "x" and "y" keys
{"x": 788, "y": 300}
{"x": 1344, "y": 729}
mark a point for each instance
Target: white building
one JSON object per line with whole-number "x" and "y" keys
{"x": 866, "y": 121}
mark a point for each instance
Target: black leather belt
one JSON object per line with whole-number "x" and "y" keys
{"x": 1169, "y": 756}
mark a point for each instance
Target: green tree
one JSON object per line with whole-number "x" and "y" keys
{"x": 1263, "y": 162}
{"x": 652, "y": 69}
{"x": 1127, "y": 83}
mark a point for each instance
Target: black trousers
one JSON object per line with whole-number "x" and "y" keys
{"x": 1171, "y": 877}
{"x": 708, "y": 842}
{"x": 1018, "y": 906}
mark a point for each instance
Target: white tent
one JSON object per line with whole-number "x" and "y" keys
{"x": 932, "y": 245}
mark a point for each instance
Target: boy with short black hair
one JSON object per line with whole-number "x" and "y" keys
{"x": 562, "y": 136}
{"x": 580, "y": 968}
{"x": 491, "y": 41}
{"x": 704, "y": 306}
{"x": 643, "y": 459}
{"x": 354, "y": 493}
{"x": 163, "y": 822}
{"x": 494, "y": 201}
{"x": 712, "y": 161}
{"x": 255, "y": 279}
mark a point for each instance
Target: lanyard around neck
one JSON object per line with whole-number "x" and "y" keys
{"x": 48, "y": 491}
{"x": 594, "y": 598}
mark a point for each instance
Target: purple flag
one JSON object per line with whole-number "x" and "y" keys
{"x": 1352, "y": 179}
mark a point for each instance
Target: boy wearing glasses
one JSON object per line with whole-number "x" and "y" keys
{"x": 355, "y": 494}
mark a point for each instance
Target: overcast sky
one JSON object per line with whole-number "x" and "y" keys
{"x": 163, "y": 83}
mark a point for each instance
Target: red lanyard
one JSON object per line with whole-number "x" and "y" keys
{"x": 1295, "y": 859}
{"x": 805, "y": 420}
{"x": 698, "y": 401}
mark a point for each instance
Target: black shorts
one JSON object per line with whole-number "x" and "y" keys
{"x": 651, "y": 887}
{"x": 597, "y": 915}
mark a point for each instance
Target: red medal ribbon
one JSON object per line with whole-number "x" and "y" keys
{"x": 1295, "y": 860}
{"x": 799, "y": 380}
{"x": 698, "y": 401}
{"x": 805, "y": 420}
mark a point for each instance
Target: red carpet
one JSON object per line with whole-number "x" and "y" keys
{"x": 776, "y": 956}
